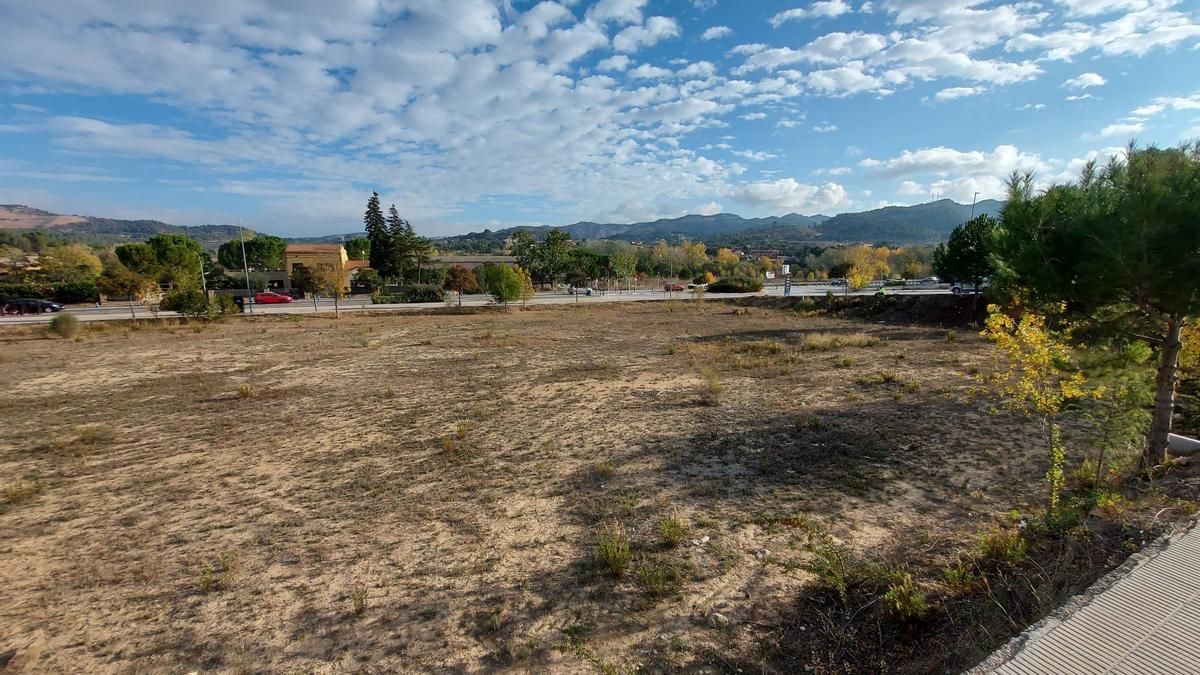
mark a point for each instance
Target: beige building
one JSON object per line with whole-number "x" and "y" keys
{"x": 315, "y": 255}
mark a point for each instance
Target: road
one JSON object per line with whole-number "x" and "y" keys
{"x": 120, "y": 311}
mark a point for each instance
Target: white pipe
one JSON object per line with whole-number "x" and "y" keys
{"x": 1182, "y": 445}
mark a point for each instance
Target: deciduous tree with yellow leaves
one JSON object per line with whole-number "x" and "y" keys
{"x": 1035, "y": 378}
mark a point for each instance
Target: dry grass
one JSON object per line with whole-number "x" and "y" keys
{"x": 824, "y": 342}
{"x": 371, "y": 507}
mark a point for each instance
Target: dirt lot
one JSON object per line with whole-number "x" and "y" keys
{"x": 424, "y": 493}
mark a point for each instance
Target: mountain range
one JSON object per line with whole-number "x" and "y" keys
{"x": 918, "y": 224}
{"x": 921, "y": 223}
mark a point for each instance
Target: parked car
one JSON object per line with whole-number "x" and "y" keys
{"x": 31, "y": 306}
{"x": 692, "y": 287}
{"x": 930, "y": 280}
{"x": 672, "y": 287}
{"x": 581, "y": 290}
{"x": 837, "y": 282}
{"x": 271, "y": 297}
{"x": 960, "y": 287}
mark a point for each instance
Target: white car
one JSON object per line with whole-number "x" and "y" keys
{"x": 579, "y": 290}
{"x": 961, "y": 287}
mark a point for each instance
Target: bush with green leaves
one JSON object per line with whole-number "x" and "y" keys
{"x": 736, "y": 285}
{"x": 504, "y": 284}
{"x": 903, "y": 599}
{"x": 411, "y": 293}
{"x": 188, "y": 302}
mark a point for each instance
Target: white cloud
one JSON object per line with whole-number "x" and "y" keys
{"x": 944, "y": 161}
{"x": 834, "y": 171}
{"x": 755, "y": 116}
{"x": 1080, "y": 97}
{"x": 709, "y": 209}
{"x": 1134, "y": 27}
{"x": 701, "y": 69}
{"x": 635, "y": 37}
{"x": 751, "y": 48}
{"x": 788, "y": 194}
{"x": 1120, "y": 129}
{"x": 716, "y": 32}
{"x": 618, "y": 11}
{"x": 617, "y": 62}
{"x": 1033, "y": 106}
{"x": 1084, "y": 81}
{"x": 951, "y": 93}
{"x": 825, "y": 128}
{"x": 753, "y": 155}
{"x": 648, "y": 72}
{"x": 822, "y": 9}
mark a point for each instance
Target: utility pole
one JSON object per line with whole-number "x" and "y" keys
{"x": 203, "y": 276}
{"x": 245, "y": 267}
{"x": 973, "y": 205}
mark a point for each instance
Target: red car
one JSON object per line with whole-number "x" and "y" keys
{"x": 672, "y": 287}
{"x": 271, "y": 297}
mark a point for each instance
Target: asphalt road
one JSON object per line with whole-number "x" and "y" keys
{"x": 120, "y": 311}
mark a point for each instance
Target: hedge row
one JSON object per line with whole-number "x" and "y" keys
{"x": 63, "y": 291}
{"x": 735, "y": 286}
{"x": 412, "y": 293}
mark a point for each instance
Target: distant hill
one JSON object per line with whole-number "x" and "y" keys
{"x": 18, "y": 217}
{"x": 922, "y": 223}
{"x": 691, "y": 226}
{"x": 93, "y": 230}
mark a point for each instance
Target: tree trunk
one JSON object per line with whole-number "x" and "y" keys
{"x": 336, "y": 313}
{"x": 132, "y": 313}
{"x": 1164, "y": 395}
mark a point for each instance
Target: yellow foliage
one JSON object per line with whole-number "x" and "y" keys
{"x": 1189, "y": 358}
{"x": 726, "y": 258}
{"x": 1037, "y": 380}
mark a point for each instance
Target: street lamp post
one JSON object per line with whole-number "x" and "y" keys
{"x": 245, "y": 267}
{"x": 973, "y": 205}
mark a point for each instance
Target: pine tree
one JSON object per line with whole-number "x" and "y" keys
{"x": 378, "y": 235}
{"x": 401, "y": 235}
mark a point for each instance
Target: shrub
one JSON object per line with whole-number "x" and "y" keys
{"x": 187, "y": 302}
{"x": 903, "y": 599}
{"x": 358, "y": 599}
{"x": 672, "y": 529}
{"x": 836, "y": 567}
{"x": 21, "y": 491}
{"x": 422, "y": 293}
{"x": 961, "y": 576}
{"x": 65, "y": 325}
{"x": 658, "y": 577}
{"x": 612, "y": 550}
{"x": 245, "y": 391}
{"x": 736, "y": 285}
{"x": 410, "y": 293}
{"x": 220, "y": 575}
{"x": 1002, "y": 546}
{"x": 711, "y": 388}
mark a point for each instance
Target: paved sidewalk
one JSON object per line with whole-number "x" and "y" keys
{"x": 1142, "y": 618}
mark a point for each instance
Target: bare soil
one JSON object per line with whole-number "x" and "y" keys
{"x": 420, "y": 493}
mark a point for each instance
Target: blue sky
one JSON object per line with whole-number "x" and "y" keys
{"x": 285, "y": 114}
